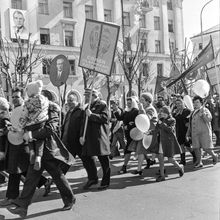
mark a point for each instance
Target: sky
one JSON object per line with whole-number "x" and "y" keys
{"x": 191, "y": 16}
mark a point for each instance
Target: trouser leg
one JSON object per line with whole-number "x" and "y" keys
{"x": 90, "y": 166}
{"x": 30, "y": 184}
{"x": 13, "y": 186}
{"x": 104, "y": 161}
{"x": 53, "y": 167}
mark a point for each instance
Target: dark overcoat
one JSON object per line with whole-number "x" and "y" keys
{"x": 165, "y": 133}
{"x": 53, "y": 146}
{"x": 16, "y": 156}
{"x": 182, "y": 124}
{"x": 73, "y": 131}
{"x": 128, "y": 118}
{"x": 97, "y": 133}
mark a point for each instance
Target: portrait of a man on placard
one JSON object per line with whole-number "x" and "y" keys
{"x": 59, "y": 70}
{"x": 18, "y": 24}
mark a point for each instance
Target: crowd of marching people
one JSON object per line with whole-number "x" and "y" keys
{"x": 35, "y": 136}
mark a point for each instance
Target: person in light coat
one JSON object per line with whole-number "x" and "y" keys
{"x": 200, "y": 131}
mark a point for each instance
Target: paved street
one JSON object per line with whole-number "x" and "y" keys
{"x": 196, "y": 196}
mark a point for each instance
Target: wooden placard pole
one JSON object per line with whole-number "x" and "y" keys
{"x": 88, "y": 107}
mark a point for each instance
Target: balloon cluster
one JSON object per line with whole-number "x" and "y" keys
{"x": 142, "y": 123}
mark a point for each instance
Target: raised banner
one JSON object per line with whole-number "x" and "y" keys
{"x": 98, "y": 46}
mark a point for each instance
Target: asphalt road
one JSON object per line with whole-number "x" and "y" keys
{"x": 195, "y": 196}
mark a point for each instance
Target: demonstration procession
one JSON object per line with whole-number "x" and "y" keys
{"x": 44, "y": 131}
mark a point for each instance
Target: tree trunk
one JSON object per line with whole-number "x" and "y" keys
{"x": 129, "y": 88}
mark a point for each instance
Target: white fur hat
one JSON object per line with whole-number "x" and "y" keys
{"x": 34, "y": 88}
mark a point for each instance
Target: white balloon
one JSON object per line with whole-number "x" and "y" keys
{"x": 136, "y": 134}
{"x": 188, "y": 102}
{"x": 201, "y": 88}
{"x": 15, "y": 138}
{"x": 147, "y": 141}
{"x": 142, "y": 122}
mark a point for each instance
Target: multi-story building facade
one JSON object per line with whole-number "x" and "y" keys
{"x": 58, "y": 27}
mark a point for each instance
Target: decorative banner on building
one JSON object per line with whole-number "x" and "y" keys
{"x": 98, "y": 46}
{"x": 211, "y": 73}
{"x": 59, "y": 70}
{"x": 18, "y": 24}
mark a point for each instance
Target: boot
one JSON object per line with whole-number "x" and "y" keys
{"x": 194, "y": 156}
{"x": 183, "y": 159}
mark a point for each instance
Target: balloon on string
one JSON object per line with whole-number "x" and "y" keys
{"x": 147, "y": 140}
{"x": 201, "y": 88}
{"x": 15, "y": 138}
{"x": 136, "y": 134}
{"x": 188, "y": 102}
{"x": 142, "y": 122}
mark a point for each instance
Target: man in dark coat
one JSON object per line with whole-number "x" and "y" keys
{"x": 18, "y": 159}
{"x": 54, "y": 155}
{"x": 71, "y": 133}
{"x": 96, "y": 142}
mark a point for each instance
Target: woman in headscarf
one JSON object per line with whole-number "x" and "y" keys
{"x": 146, "y": 107}
{"x": 181, "y": 114}
{"x": 128, "y": 117}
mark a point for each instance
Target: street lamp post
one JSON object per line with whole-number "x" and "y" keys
{"x": 201, "y": 21}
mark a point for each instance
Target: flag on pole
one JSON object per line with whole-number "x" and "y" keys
{"x": 161, "y": 83}
{"x": 204, "y": 57}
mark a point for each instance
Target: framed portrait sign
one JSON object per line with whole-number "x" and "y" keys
{"x": 18, "y": 24}
{"x": 98, "y": 46}
{"x": 59, "y": 70}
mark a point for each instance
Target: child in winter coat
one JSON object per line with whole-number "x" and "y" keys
{"x": 164, "y": 142}
{"x": 34, "y": 118}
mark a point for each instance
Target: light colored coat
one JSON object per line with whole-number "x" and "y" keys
{"x": 200, "y": 126}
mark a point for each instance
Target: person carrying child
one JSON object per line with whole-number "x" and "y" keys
{"x": 35, "y": 114}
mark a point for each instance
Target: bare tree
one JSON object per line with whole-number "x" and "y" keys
{"x": 132, "y": 60}
{"x": 18, "y": 59}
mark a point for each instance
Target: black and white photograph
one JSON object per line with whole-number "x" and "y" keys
{"x": 110, "y": 109}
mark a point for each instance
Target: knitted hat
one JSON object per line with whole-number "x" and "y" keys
{"x": 34, "y": 88}
{"x": 166, "y": 110}
{"x": 147, "y": 96}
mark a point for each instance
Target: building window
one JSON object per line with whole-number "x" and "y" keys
{"x": 67, "y": 9}
{"x": 169, "y": 5}
{"x": 69, "y": 38}
{"x": 43, "y": 7}
{"x": 16, "y": 4}
{"x": 46, "y": 66}
{"x": 160, "y": 69}
{"x": 156, "y": 23}
{"x": 157, "y": 46}
{"x": 126, "y": 18}
{"x": 145, "y": 69}
{"x": 143, "y": 45}
{"x": 44, "y": 36}
{"x": 172, "y": 47}
{"x": 89, "y": 11}
{"x": 156, "y": 3}
{"x": 145, "y": 4}
{"x": 170, "y": 25}
{"x": 143, "y": 21}
{"x": 72, "y": 67}
{"x": 127, "y": 43}
{"x": 108, "y": 15}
